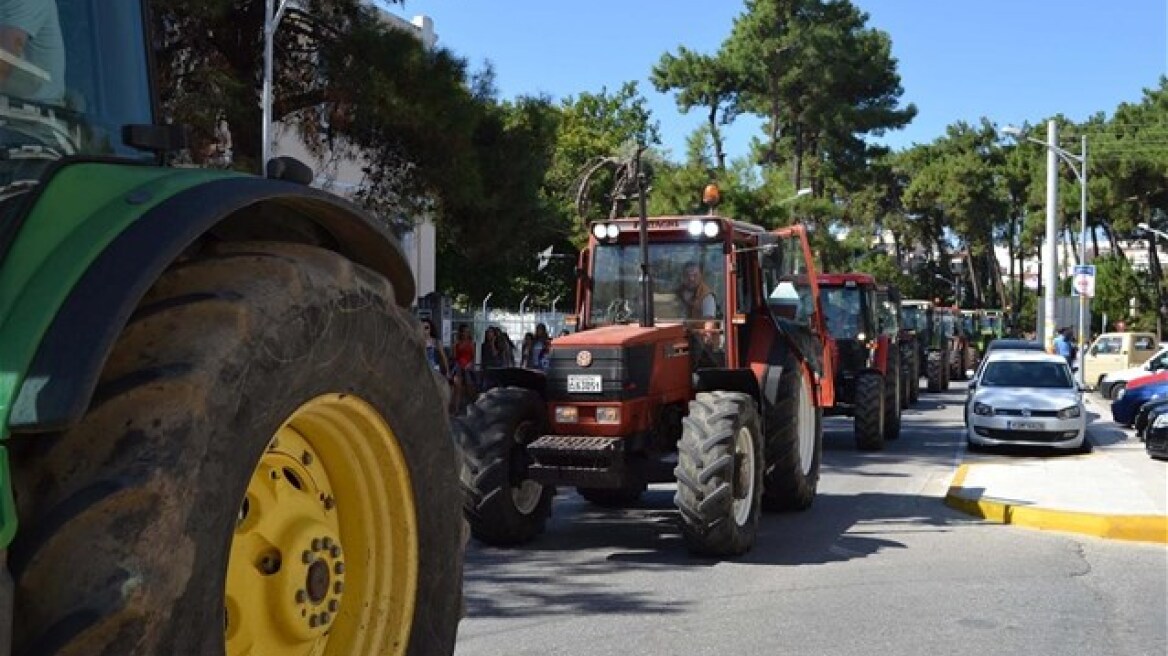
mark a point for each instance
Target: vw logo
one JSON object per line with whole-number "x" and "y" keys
{"x": 1025, "y": 412}
{"x": 584, "y": 358}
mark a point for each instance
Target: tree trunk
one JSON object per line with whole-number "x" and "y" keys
{"x": 1013, "y": 253}
{"x": 798, "y": 160}
{"x": 716, "y": 137}
{"x": 1094, "y": 243}
{"x": 1116, "y": 249}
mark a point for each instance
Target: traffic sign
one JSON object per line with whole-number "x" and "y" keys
{"x": 1084, "y": 280}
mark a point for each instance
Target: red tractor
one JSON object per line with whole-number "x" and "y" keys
{"x": 866, "y": 356}
{"x": 699, "y": 358}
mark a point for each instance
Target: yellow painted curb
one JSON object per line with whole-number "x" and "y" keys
{"x": 1137, "y": 528}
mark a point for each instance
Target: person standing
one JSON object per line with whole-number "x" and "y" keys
{"x": 1062, "y": 345}
{"x": 540, "y": 348}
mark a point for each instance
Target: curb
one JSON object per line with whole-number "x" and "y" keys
{"x": 1136, "y": 528}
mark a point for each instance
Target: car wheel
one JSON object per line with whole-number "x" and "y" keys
{"x": 1114, "y": 390}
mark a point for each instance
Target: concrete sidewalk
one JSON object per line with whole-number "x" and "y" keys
{"x": 1115, "y": 492}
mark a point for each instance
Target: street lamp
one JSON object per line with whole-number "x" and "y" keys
{"x": 1053, "y": 151}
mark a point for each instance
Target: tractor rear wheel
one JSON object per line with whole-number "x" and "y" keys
{"x": 892, "y": 398}
{"x": 794, "y": 442}
{"x": 905, "y": 377}
{"x": 935, "y": 371}
{"x": 613, "y": 497}
{"x": 503, "y": 505}
{"x": 914, "y": 379}
{"x": 265, "y": 468}
{"x": 719, "y": 474}
{"x": 869, "y": 411}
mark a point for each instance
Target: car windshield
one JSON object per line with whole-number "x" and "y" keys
{"x": 947, "y": 325}
{"x": 1046, "y": 375}
{"x": 990, "y": 323}
{"x": 72, "y": 73}
{"x": 843, "y": 308}
{"x": 687, "y": 282}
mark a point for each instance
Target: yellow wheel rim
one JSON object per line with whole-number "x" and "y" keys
{"x": 324, "y": 558}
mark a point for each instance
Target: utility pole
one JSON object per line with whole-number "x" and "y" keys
{"x": 1052, "y": 271}
{"x": 272, "y": 17}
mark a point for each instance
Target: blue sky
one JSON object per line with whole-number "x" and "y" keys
{"x": 1009, "y": 60}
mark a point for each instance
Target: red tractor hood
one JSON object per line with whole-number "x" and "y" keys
{"x": 626, "y": 335}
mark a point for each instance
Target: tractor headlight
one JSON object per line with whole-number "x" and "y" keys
{"x": 695, "y": 228}
{"x": 861, "y": 337}
{"x": 710, "y": 229}
{"x": 1069, "y": 413}
{"x": 599, "y": 231}
{"x": 567, "y": 414}
{"x": 982, "y": 410}
{"x": 1161, "y": 421}
{"x": 608, "y": 415}
{"x": 613, "y": 231}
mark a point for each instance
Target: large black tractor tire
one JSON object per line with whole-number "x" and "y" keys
{"x": 504, "y": 506}
{"x": 128, "y": 519}
{"x": 905, "y": 380}
{"x": 869, "y": 411}
{"x": 794, "y": 442}
{"x": 892, "y": 396}
{"x": 935, "y": 371}
{"x": 719, "y": 474}
{"x": 613, "y": 497}
{"x": 914, "y": 379}
{"x": 945, "y": 377}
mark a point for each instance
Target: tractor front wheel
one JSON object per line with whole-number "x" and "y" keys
{"x": 265, "y": 468}
{"x": 503, "y": 505}
{"x": 892, "y": 395}
{"x": 794, "y": 442}
{"x": 935, "y": 371}
{"x": 719, "y": 474}
{"x": 869, "y": 411}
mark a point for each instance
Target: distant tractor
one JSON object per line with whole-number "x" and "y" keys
{"x": 960, "y": 324}
{"x": 867, "y": 358}
{"x": 991, "y": 326}
{"x": 700, "y": 357}
{"x": 924, "y": 320}
{"x": 905, "y": 339}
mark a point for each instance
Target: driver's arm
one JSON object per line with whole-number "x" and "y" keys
{"x": 13, "y": 40}
{"x": 19, "y": 20}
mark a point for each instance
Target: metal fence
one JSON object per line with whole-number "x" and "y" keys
{"x": 513, "y": 325}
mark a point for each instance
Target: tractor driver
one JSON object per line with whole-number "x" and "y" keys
{"x": 695, "y": 295}
{"x": 32, "y": 51}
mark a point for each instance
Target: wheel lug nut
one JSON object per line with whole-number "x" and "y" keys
{"x": 316, "y": 544}
{"x": 301, "y": 596}
{"x": 327, "y": 543}
{"x": 338, "y": 587}
{"x": 324, "y": 618}
{"x": 307, "y": 557}
{"x": 312, "y": 621}
{"x": 335, "y": 552}
{"x": 339, "y": 568}
{"x": 329, "y": 503}
{"x": 306, "y": 458}
{"x": 333, "y": 605}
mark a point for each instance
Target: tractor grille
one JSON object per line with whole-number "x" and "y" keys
{"x": 624, "y": 372}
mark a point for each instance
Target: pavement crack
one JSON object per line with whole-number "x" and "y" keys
{"x": 1080, "y": 551}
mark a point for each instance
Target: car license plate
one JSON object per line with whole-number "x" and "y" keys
{"x": 1024, "y": 425}
{"x": 584, "y": 384}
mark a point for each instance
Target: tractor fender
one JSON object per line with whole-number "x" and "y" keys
{"x": 730, "y": 380}
{"x": 63, "y": 373}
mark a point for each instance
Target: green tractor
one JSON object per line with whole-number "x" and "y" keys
{"x": 991, "y": 326}
{"x": 220, "y": 434}
{"x": 932, "y": 338}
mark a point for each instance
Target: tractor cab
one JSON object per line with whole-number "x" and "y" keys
{"x": 79, "y": 86}
{"x": 851, "y": 307}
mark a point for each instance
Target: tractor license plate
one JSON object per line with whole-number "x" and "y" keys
{"x": 1025, "y": 425}
{"x": 584, "y": 384}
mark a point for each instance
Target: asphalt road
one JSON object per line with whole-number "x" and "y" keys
{"x": 878, "y": 565}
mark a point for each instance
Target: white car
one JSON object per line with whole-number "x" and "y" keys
{"x": 1115, "y": 382}
{"x": 1026, "y": 398}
